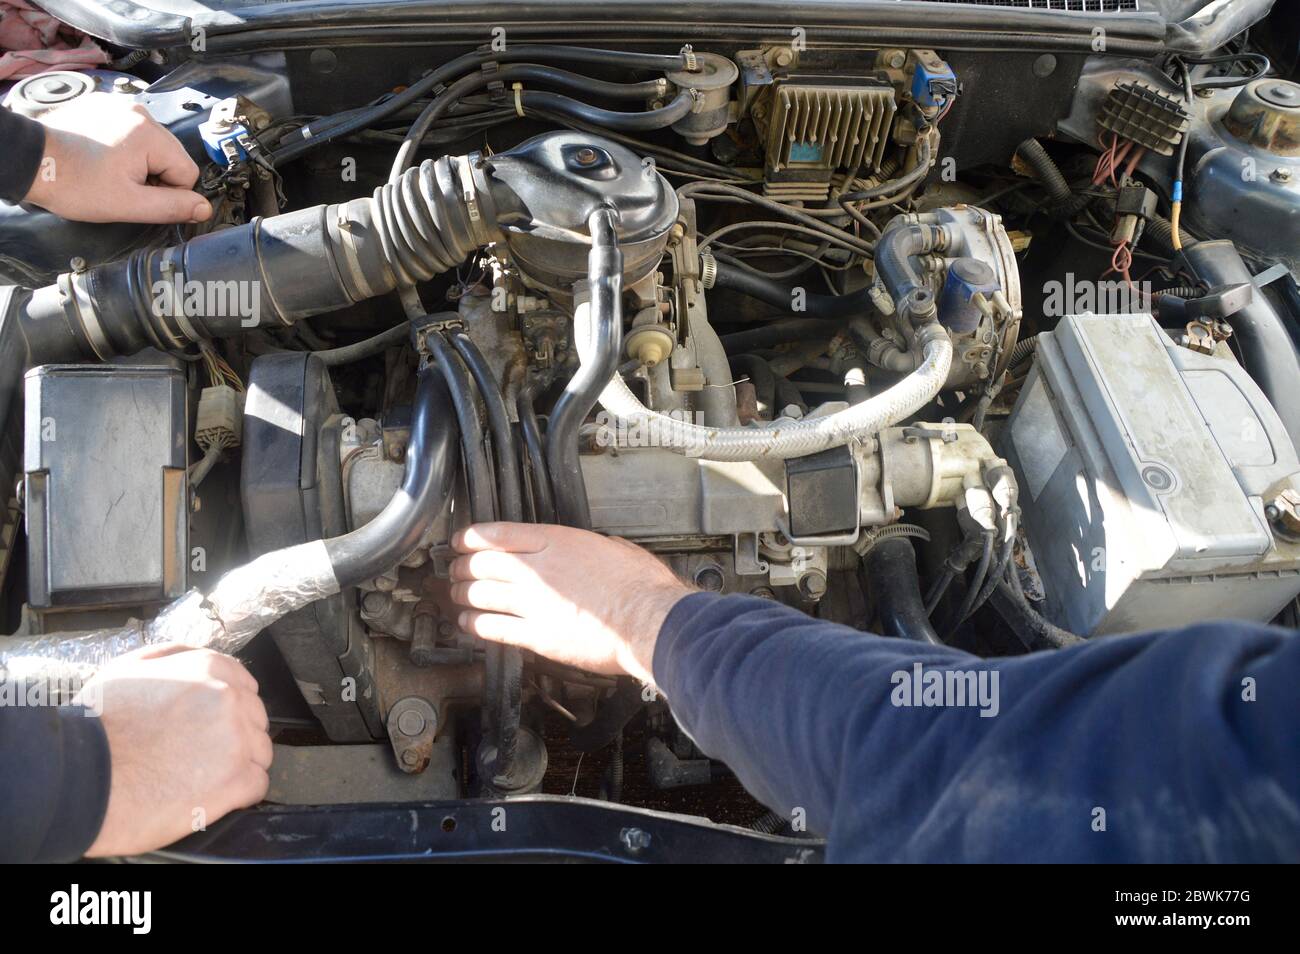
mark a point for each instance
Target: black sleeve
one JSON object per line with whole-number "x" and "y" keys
{"x": 54, "y": 779}
{"x": 1167, "y": 746}
{"x": 24, "y": 145}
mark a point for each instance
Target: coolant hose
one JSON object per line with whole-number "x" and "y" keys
{"x": 598, "y": 336}
{"x": 388, "y": 539}
{"x": 895, "y": 249}
{"x": 792, "y": 438}
{"x": 890, "y": 567}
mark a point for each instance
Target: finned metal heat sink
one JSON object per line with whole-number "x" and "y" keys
{"x": 1146, "y": 115}
{"x": 816, "y": 127}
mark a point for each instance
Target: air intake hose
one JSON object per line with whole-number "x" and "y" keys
{"x": 536, "y": 198}
{"x": 276, "y": 270}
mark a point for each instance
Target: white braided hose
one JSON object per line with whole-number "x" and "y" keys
{"x": 784, "y": 438}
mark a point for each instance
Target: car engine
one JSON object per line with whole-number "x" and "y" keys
{"x": 990, "y": 344}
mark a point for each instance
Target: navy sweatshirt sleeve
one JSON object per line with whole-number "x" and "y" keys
{"x": 54, "y": 780}
{"x": 23, "y": 142}
{"x": 1165, "y": 746}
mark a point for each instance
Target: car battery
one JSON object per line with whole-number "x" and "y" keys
{"x": 1147, "y": 471}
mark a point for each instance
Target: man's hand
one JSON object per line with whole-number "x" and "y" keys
{"x": 576, "y": 597}
{"x": 188, "y": 742}
{"x": 106, "y": 161}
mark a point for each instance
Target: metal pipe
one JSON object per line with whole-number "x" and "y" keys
{"x": 602, "y": 314}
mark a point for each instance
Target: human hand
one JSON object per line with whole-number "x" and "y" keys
{"x": 187, "y": 739}
{"x": 573, "y": 596}
{"x": 107, "y": 161}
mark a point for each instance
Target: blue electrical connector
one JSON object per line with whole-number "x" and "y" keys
{"x": 223, "y": 134}
{"x": 933, "y": 85}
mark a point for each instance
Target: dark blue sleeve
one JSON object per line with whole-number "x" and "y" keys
{"x": 1166, "y": 746}
{"x": 54, "y": 781}
{"x": 24, "y": 145}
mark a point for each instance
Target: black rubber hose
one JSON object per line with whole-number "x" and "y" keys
{"x": 535, "y": 448}
{"x": 510, "y": 495}
{"x": 394, "y": 534}
{"x": 780, "y": 332}
{"x": 1062, "y": 200}
{"x": 334, "y": 357}
{"x": 605, "y": 278}
{"x": 478, "y": 468}
{"x": 973, "y": 588}
{"x": 510, "y": 499}
{"x": 1027, "y": 623}
{"x": 512, "y": 73}
{"x": 854, "y": 305}
{"x": 890, "y": 567}
{"x": 1005, "y": 554}
{"x": 325, "y": 131}
{"x": 1266, "y": 347}
{"x": 677, "y": 108}
{"x": 479, "y": 484}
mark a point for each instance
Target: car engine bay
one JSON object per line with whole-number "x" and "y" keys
{"x": 991, "y": 344}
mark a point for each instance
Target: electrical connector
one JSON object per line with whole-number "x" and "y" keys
{"x": 220, "y": 421}
{"x": 1134, "y": 206}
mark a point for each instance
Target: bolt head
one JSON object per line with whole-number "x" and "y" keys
{"x": 813, "y": 585}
